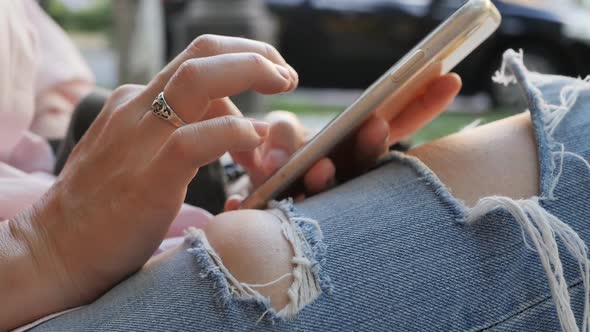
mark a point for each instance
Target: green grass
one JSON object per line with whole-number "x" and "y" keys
{"x": 304, "y": 108}
{"x": 96, "y": 17}
{"x": 447, "y": 123}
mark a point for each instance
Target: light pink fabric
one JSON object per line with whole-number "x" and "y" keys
{"x": 25, "y": 92}
{"x": 42, "y": 78}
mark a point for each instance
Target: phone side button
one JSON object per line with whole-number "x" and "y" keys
{"x": 407, "y": 66}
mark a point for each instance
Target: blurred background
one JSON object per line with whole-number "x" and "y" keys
{"x": 339, "y": 47}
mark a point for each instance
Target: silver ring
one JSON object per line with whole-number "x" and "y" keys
{"x": 161, "y": 109}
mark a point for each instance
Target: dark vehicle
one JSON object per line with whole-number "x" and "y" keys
{"x": 349, "y": 43}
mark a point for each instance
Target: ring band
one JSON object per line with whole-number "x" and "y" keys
{"x": 161, "y": 109}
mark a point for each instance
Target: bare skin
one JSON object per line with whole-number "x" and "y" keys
{"x": 78, "y": 241}
{"x": 499, "y": 158}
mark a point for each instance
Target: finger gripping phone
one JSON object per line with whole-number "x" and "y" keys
{"x": 435, "y": 55}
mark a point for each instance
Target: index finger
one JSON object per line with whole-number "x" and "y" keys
{"x": 211, "y": 45}
{"x": 401, "y": 98}
{"x": 439, "y": 95}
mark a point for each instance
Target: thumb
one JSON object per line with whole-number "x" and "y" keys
{"x": 233, "y": 203}
{"x": 286, "y": 135}
{"x": 286, "y": 131}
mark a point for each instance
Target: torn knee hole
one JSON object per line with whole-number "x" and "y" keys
{"x": 260, "y": 256}
{"x": 541, "y": 229}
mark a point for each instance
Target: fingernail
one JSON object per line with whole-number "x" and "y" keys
{"x": 278, "y": 156}
{"x": 262, "y": 128}
{"x": 294, "y": 73}
{"x": 300, "y": 198}
{"x": 284, "y": 72}
{"x": 294, "y": 78}
{"x": 274, "y": 159}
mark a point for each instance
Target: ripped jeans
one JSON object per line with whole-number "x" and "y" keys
{"x": 394, "y": 250}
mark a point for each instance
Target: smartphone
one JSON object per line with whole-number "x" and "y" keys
{"x": 435, "y": 55}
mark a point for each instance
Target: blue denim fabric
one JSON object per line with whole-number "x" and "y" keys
{"x": 400, "y": 255}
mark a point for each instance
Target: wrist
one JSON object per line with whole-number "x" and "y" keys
{"x": 35, "y": 278}
{"x": 36, "y": 246}
{"x": 24, "y": 282}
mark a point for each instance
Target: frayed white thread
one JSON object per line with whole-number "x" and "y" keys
{"x": 537, "y": 224}
{"x": 277, "y": 280}
{"x": 577, "y": 156}
{"x": 552, "y": 115}
{"x": 568, "y": 97}
{"x": 503, "y": 76}
{"x": 561, "y": 156}
{"x": 306, "y": 286}
{"x": 542, "y": 228}
{"x": 262, "y": 317}
{"x": 239, "y": 289}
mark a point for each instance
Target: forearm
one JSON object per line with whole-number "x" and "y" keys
{"x": 27, "y": 284}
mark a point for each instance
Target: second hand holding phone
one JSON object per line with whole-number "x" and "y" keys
{"x": 435, "y": 55}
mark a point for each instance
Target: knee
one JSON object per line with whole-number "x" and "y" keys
{"x": 499, "y": 158}
{"x": 252, "y": 247}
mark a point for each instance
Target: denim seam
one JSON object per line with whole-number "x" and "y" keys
{"x": 537, "y": 224}
{"x": 531, "y": 306}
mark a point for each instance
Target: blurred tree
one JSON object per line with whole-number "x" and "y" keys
{"x": 97, "y": 16}
{"x": 139, "y": 38}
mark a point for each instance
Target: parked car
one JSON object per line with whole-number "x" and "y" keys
{"x": 349, "y": 43}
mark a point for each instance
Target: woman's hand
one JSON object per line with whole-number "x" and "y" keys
{"x": 126, "y": 180}
{"x": 397, "y": 118}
